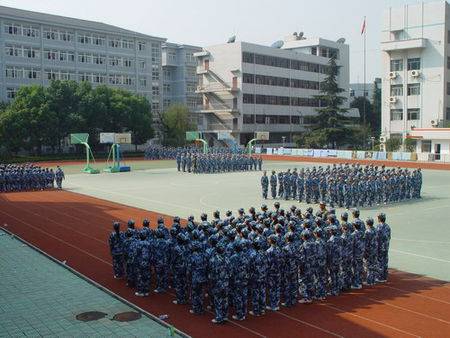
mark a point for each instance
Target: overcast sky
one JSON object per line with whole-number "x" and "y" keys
{"x": 207, "y": 22}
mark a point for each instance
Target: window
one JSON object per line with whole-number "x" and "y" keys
{"x": 413, "y": 89}
{"x": 114, "y": 43}
{"x": 248, "y": 78}
{"x": 314, "y": 50}
{"x": 11, "y": 93}
{"x": 155, "y": 90}
{"x": 248, "y": 119}
{"x": 414, "y": 64}
{"x": 448, "y": 88}
{"x": 448, "y": 62}
{"x": 397, "y": 90}
{"x": 352, "y": 93}
{"x": 143, "y": 82}
{"x": 426, "y": 146}
{"x": 447, "y": 114}
{"x": 283, "y": 63}
{"x": 396, "y": 65}
{"x": 284, "y": 119}
{"x": 396, "y": 114}
{"x": 142, "y": 64}
{"x": 141, "y": 45}
{"x": 295, "y": 119}
{"x": 155, "y": 75}
{"x": 413, "y": 114}
{"x": 260, "y": 119}
{"x": 166, "y": 88}
{"x": 248, "y": 98}
{"x": 248, "y": 57}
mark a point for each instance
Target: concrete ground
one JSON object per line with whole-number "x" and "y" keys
{"x": 420, "y": 229}
{"x": 40, "y": 298}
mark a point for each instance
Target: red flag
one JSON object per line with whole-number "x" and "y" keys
{"x": 363, "y": 29}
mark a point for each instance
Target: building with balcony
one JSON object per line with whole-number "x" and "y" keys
{"x": 37, "y": 48}
{"x": 415, "y": 65}
{"x": 180, "y": 77}
{"x": 248, "y": 87}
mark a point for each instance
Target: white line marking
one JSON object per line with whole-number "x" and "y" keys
{"x": 418, "y": 241}
{"x": 405, "y": 309}
{"x": 57, "y": 238}
{"x": 309, "y": 324}
{"x": 421, "y": 256}
{"x": 413, "y": 292}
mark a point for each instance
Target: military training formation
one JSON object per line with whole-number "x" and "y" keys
{"x": 344, "y": 185}
{"x": 254, "y": 261}
{"x": 27, "y": 177}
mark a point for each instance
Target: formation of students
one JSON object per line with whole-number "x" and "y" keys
{"x": 159, "y": 152}
{"x": 26, "y": 177}
{"x": 217, "y": 162}
{"x": 344, "y": 185}
{"x": 254, "y": 261}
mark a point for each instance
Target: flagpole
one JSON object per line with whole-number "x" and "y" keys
{"x": 364, "y": 84}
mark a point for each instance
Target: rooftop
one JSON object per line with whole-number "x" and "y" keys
{"x": 50, "y": 19}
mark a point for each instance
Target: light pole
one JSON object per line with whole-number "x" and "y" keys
{"x": 373, "y": 142}
{"x": 284, "y": 139}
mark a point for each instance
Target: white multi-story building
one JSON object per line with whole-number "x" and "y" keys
{"x": 248, "y": 87}
{"x": 37, "y": 48}
{"x": 180, "y": 77}
{"x": 415, "y": 48}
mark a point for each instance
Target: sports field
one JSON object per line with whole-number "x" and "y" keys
{"x": 73, "y": 225}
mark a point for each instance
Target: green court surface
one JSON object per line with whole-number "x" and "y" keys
{"x": 40, "y": 298}
{"x": 420, "y": 229}
{"x": 70, "y": 168}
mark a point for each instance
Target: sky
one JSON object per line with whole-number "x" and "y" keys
{"x": 210, "y": 22}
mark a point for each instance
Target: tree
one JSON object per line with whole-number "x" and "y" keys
{"x": 175, "y": 124}
{"x": 375, "y": 117}
{"x": 63, "y": 102}
{"x": 44, "y": 116}
{"x": 329, "y": 128}
{"x": 393, "y": 144}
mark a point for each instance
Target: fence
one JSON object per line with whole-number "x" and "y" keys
{"x": 356, "y": 154}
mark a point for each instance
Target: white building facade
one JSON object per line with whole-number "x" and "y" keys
{"x": 180, "y": 77}
{"x": 37, "y": 48}
{"x": 248, "y": 87}
{"x": 415, "y": 64}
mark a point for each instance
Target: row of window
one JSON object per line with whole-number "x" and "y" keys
{"x": 412, "y": 89}
{"x": 50, "y": 74}
{"x": 281, "y": 100}
{"x": 279, "y": 81}
{"x": 326, "y": 52}
{"x": 276, "y": 119}
{"x": 69, "y": 56}
{"x": 412, "y": 64}
{"x": 62, "y": 35}
{"x": 412, "y": 114}
{"x": 274, "y": 61}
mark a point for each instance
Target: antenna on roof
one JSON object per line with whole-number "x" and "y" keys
{"x": 277, "y": 44}
{"x": 341, "y": 40}
{"x": 232, "y": 39}
{"x": 301, "y": 36}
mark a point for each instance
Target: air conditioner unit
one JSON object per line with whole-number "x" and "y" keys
{"x": 392, "y": 99}
{"x": 382, "y": 139}
{"x": 393, "y": 75}
{"x": 434, "y": 123}
{"x": 415, "y": 73}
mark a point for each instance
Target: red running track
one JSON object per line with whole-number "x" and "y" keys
{"x": 75, "y": 228}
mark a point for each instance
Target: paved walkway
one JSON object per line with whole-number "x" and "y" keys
{"x": 40, "y": 298}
